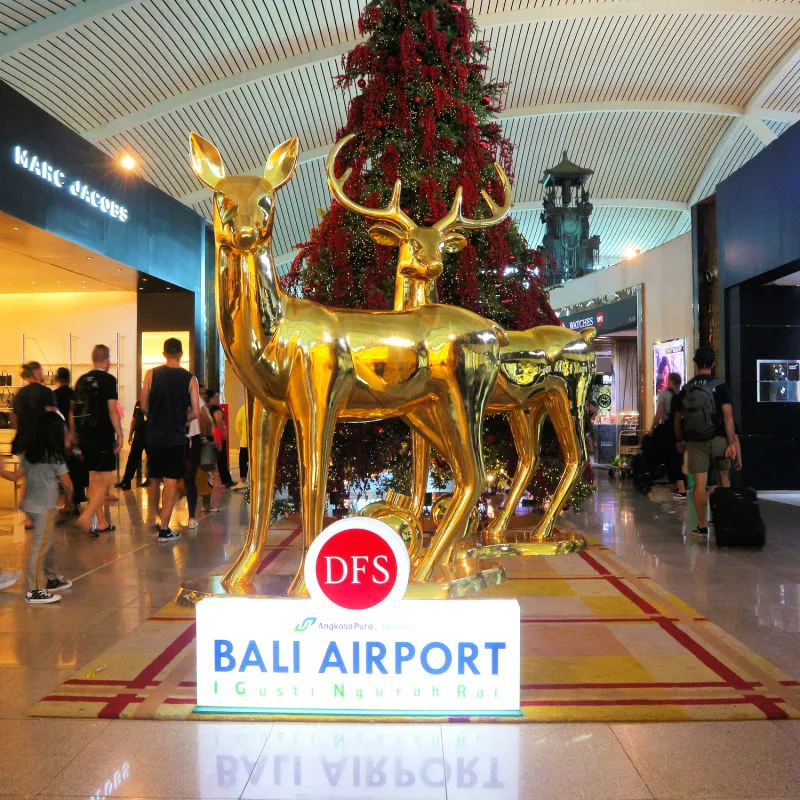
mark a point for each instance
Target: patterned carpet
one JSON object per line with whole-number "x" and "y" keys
{"x": 599, "y": 643}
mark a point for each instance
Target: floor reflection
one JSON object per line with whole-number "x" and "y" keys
{"x": 362, "y": 761}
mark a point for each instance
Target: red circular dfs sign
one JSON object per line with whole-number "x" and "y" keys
{"x": 357, "y": 563}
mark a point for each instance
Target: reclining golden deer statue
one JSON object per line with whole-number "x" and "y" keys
{"x": 544, "y": 371}
{"x": 434, "y": 366}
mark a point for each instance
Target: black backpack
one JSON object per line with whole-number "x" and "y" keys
{"x": 699, "y": 411}
{"x": 86, "y": 403}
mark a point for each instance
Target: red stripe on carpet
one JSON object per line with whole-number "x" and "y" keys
{"x": 678, "y": 685}
{"x": 694, "y": 701}
{"x": 101, "y": 682}
{"x": 704, "y": 656}
{"x": 155, "y": 667}
{"x": 74, "y": 698}
{"x": 655, "y": 618}
{"x": 276, "y": 550}
{"x": 117, "y": 705}
{"x": 695, "y": 648}
{"x": 620, "y": 585}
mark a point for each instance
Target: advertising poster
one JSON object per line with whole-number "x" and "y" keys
{"x": 668, "y": 357}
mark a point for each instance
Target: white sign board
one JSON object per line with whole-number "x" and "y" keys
{"x": 413, "y": 657}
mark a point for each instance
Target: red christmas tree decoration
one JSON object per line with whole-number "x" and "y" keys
{"x": 424, "y": 115}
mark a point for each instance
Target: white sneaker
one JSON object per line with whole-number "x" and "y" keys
{"x": 192, "y": 523}
{"x": 8, "y": 579}
{"x": 41, "y": 597}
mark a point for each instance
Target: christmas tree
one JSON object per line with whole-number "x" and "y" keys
{"x": 424, "y": 115}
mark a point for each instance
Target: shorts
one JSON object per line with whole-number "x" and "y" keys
{"x": 99, "y": 460}
{"x": 701, "y": 456}
{"x": 166, "y": 462}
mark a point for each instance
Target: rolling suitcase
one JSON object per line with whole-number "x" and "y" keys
{"x": 737, "y": 518}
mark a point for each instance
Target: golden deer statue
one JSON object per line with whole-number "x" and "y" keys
{"x": 433, "y": 366}
{"x": 544, "y": 371}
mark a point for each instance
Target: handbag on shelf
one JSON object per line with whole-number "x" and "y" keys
{"x": 5, "y": 378}
{"x": 50, "y": 378}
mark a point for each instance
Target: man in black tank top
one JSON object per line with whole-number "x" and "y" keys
{"x": 170, "y": 398}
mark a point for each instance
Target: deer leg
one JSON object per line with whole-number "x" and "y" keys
{"x": 526, "y": 428}
{"x": 568, "y": 424}
{"x": 420, "y": 466}
{"x": 315, "y": 399}
{"x": 266, "y": 429}
{"x": 454, "y": 429}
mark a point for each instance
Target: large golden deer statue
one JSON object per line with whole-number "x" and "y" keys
{"x": 434, "y": 366}
{"x": 545, "y": 371}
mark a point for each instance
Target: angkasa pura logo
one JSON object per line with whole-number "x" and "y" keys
{"x": 305, "y": 624}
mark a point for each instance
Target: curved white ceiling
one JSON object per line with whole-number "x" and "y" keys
{"x": 662, "y": 98}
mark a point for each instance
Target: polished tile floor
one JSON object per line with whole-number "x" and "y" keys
{"x": 121, "y": 579}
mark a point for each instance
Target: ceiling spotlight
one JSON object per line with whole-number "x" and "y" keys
{"x": 630, "y": 252}
{"x": 15, "y": 228}
{"x": 128, "y": 161}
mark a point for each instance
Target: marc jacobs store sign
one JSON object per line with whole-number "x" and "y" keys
{"x": 75, "y": 186}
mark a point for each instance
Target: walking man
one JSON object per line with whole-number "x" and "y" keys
{"x": 99, "y": 434}
{"x": 705, "y": 431}
{"x": 170, "y": 399}
{"x": 29, "y": 404}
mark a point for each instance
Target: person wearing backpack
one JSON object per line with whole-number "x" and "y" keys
{"x": 95, "y": 415}
{"x": 664, "y": 433}
{"x": 705, "y": 430}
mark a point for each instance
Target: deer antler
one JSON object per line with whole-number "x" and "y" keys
{"x": 392, "y": 212}
{"x": 455, "y": 219}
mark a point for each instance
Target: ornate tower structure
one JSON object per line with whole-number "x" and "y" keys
{"x": 566, "y": 218}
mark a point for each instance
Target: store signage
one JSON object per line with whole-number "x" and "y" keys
{"x": 77, "y": 188}
{"x": 606, "y": 318}
{"x": 356, "y": 647}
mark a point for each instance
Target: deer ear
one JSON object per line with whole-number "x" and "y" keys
{"x": 206, "y": 161}
{"x": 387, "y": 235}
{"x": 282, "y": 163}
{"x": 453, "y": 242}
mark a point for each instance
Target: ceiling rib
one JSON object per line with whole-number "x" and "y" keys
{"x": 719, "y": 153}
{"x": 751, "y": 118}
{"x": 717, "y": 109}
{"x": 711, "y": 109}
{"x": 773, "y": 78}
{"x": 639, "y": 7}
{"x": 214, "y": 88}
{"x": 58, "y": 22}
{"x": 614, "y": 202}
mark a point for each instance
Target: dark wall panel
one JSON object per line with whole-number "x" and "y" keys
{"x": 758, "y": 212}
{"x": 764, "y": 323}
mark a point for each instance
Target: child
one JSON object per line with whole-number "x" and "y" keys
{"x": 44, "y": 467}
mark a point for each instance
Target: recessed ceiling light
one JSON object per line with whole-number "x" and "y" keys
{"x": 88, "y": 258}
{"x": 144, "y": 279}
{"x": 16, "y": 228}
{"x": 33, "y": 282}
{"x": 128, "y": 161}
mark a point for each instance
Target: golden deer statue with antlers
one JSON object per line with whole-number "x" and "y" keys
{"x": 434, "y": 366}
{"x": 544, "y": 371}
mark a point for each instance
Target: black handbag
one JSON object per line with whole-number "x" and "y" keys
{"x": 5, "y": 378}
